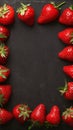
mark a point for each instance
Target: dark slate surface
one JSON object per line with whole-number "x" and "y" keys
{"x": 36, "y": 70}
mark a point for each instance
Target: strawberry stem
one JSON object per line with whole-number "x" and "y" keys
{"x": 31, "y": 126}
{"x": 59, "y": 5}
{"x": 34, "y": 124}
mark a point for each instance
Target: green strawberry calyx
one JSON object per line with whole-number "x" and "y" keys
{"x": 59, "y": 5}
{"x": 71, "y": 36}
{"x": 2, "y": 71}
{"x": 62, "y": 90}
{"x": 2, "y": 99}
{"x": 68, "y": 112}
{"x": 24, "y": 112}
{"x": 71, "y": 7}
{"x": 3, "y": 50}
{"x": 3, "y": 10}
{"x": 2, "y": 35}
{"x": 22, "y": 9}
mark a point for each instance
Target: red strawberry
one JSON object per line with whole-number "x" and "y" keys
{"x": 66, "y": 36}
{"x": 4, "y": 53}
{"x": 68, "y": 70}
{"x": 26, "y": 14}
{"x": 38, "y": 114}
{"x": 53, "y": 117}
{"x": 5, "y": 116}
{"x": 4, "y": 33}
{"x": 49, "y": 13}
{"x": 21, "y": 112}
{"x": 67, "y": 16}
{"x": 67, "y": 91}
{"x": 6, "y": 14}
{"x": 5, "y": 92}
{"x": 66, "y": 53}
{"x": 4, "y": 73}
{"x": 67, "y": 116}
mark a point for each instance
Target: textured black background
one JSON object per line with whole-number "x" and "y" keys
{"x": 36, "y": 70}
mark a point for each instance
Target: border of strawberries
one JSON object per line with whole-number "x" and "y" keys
{"x": 35, "y": 123}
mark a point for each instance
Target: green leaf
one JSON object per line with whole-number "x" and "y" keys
{"x": 71, "y": 41}
{"x": 3, "y": 10}
{"x": 3, "y": 50}
{"x": 2, "y": 35}
{"x": 71, "y": 7}
{"x": 23, "y": 8}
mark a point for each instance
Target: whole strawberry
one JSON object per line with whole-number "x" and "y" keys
{"x": 4, "y": 33}
{"x": 49, "y": 13}
{"x": 67, "y": 116}
{"x": 39, "y": 113}
{"x": 4, "y": 73}
{"x": 26, "y": 14}
{"x": 21, "y": 112}
{"x": 66, "y": 36}
{"x": 53, "y": 118}
{"x": 5, "y": 93}
{"x": 4, "y": 53}
{"x": 67, "y": 91}
{"x": 67, "y": 16}
{"x": 38, "y": 116}
{"x": 5, "y": 116}
{"x": 66, "y": 53}
{"x": 68, "y": 70}
{"x": 6, "y": 14}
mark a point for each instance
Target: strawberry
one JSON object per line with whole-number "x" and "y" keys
{"x": 68, "y": 70}
{"x": 53, "y": 117}
{"x": 67, "y": 116}
{"x": 6, "y": 14}
{"x": 66, "y": 53}
{"x": 4, "y": 73}
{"x": 67, "y": 91}
{"x": 21, "y": 112}
{"x": 5, "y": 92}
{"x": 66, "y": 36}
{"x": 5, "y": 116}
{"x": 67, "y": 16}
{"x": 49, "y": 13}
{"x": 4, "y": 53}
{"x": 4, "y": 33}
{"x": 26, "y": 14}
{"x": 38, "y": 116}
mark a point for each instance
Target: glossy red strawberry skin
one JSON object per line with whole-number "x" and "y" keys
{"x": 5, "y": 93}
{"x": 8, "y": 17}
{"x": 68, "y": 119}
{"x": 48, "y": 14}
{"x": 4, "y": 53}
{"x": 54, "y": 116}
{"x": 4, "y": 33}
{"x": 68, "y": 70}
{"x": 5, "y": 116}
{"x": 66, "y": 53}
{"x": 28, "y": 17}
{"x": 16, "y": 113}
{"x": 67, "y": 17}
{"x": 69, "y": 92}
{"x": 4, "y": 75}
{"x": 39, "y": 114}
{"x": 66, "y": 36}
